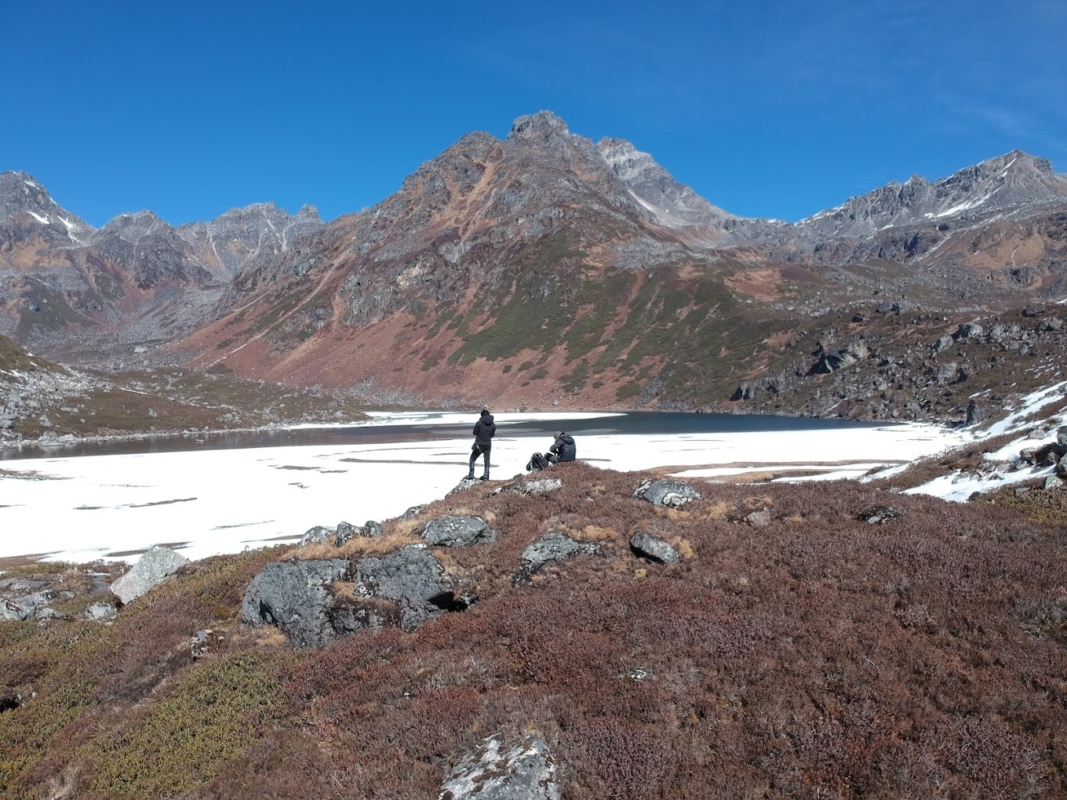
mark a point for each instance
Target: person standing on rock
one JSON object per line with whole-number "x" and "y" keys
{"x": 484, "y": 430}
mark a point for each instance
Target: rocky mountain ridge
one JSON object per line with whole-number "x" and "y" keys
{"x": 93, "y": 294}
{"x": 539, "y": 270}
{"x": 1016, "y": 182}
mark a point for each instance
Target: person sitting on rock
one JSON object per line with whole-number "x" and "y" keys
{"x": 484, "y": 430}
{"x": 563, "y": 449}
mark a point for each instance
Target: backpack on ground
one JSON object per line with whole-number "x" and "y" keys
{"x": 537, "y": 463}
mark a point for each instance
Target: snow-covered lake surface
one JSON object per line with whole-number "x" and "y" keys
{"x": 209, "y": 502}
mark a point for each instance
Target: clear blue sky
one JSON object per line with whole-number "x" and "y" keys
{"x": 771, "y": 108}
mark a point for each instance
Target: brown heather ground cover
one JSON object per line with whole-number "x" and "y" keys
{"x": 818, "y": 656}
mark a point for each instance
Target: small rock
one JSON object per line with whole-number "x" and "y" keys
{"x": 881, "y": 514}
{"x": 204, "y": 643}
{"x": 463, "y": 485}
{"x": 524, "y": 771}
{"x": 533, "y": 486}
{"x": 666, "y": 493}
{"x": 1052, "y": 482}
{"x": 760, "y": 519}
{"x": 553, "y": 546}
{"x": 316, "y": 535}
{"x": 151, "y": 568}
{"x": 652, "y": 547}
{"x": 947, "y": 373}
{"x": 457, "y": 531}
{"x": 412, "y": 512}
{"x": 101, "y": 612}
{"x": 345, "y": 532}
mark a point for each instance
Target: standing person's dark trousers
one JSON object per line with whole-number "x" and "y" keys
{"x": 484, "y": 430}
{"x": 478, "y": 450}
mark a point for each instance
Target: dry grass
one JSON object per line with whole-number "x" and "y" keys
{"x": 818, "y": 656}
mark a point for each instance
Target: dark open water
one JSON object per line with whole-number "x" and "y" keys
{"x": 652, "y": 422}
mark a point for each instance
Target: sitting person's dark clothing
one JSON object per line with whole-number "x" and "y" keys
{"x": 563, "y": 449}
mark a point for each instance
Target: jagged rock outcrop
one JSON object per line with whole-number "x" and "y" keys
{"x": 1010, "y": 181}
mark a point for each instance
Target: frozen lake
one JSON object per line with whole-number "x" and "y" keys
{"x": 210, "y": 495}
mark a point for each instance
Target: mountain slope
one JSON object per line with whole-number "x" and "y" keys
{"x": 545, "y": 269}
{"x": 97, "y": 294}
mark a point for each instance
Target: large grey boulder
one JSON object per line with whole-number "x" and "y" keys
{"x": 295, "y": 596}
{"x": 653, "y": 548}
{"x": 457, "y": 531}
{"x": 666, "y": 493}
{"x": 413, "y": 579}
{"x": 151, "y": 569}
{"x": 523, "y": 771}
{"x": 403, "y": 588}
{"x": 554, "y": 546}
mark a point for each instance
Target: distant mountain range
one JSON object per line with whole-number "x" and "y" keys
{"x": 539, "y": 269}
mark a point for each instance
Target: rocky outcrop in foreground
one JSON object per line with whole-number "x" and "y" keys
{"x": 314, "y": 602}
{"x": 523, "y": 771}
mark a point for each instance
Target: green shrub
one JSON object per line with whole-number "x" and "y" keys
{"x": 181, "y": 741}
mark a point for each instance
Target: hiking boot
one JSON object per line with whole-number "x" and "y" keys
{"x": 470, "y": 476}
{"x": 484, "y": 478}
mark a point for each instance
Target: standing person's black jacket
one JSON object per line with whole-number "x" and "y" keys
{"x": 484, "y": 430}
{"x": 564, "y": 448}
